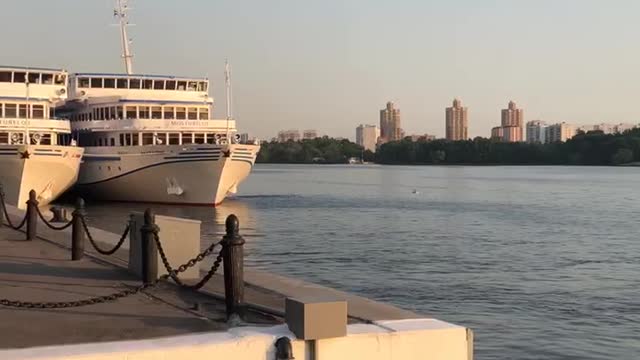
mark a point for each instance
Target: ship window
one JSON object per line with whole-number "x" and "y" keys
{"x": 34, "y": 78}
{"x": 193, "y": 86}
{"x": 38, "y": 111}
{"x": 61, "y": 79}
{"x": 112, "y": 113}
{"x": 131, "y": 112}
{"x": 109, "y": 83}
{"x": 45, "y": 139}
{"x": 158, "y": 85}
{"x": 96, "y": 82}
{"x": 193, "y": 113}
{"x": 205, "y": 86}
{"x": 4, "y": 138}
{"x": 211, "y": 138}
{"x": 122, "y": 83}
{"x": 182, "y": 85}
{"x": 156, "y": 112}
{"x": 91, "y": 115}
{"x": 121, "y": 139}
{"x": 147, "y": 84}
{"x": 168, "y": 113}
{"x": 22, "y": 110}
{"x": 181, "y": 113}
{"x": 5, "y": 76}
{"x": 19, "y": 77}
{"x": 127, "y": 139}
{"x": 204, "y": 114}
{"x": 100, "y": 142}
{"x": 119, "y": 114}
{"x": 134, "y": 83}
{"x": 147, "y": 139}
{"x": 171, "y": 85}
{"x": 187, "y": 138}
{"x": 198, "y": 138}
{"x": 113, "y": 142}
{"x": 202, "y": 86}
{"x": 47, "y": 79}
{"x": 143, "y": 111}
{"x": 174, "y": 139}
{"x": 83, "y": 82}
{"x": 134, "y": 138}
{"x": 10, "y": 110}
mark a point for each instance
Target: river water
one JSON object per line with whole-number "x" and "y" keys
{"x": 541, "y": 262}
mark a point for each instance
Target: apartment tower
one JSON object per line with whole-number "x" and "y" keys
{"x": 456, "y": 122}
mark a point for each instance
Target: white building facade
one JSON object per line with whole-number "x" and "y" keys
{"x": 367, "y": 136}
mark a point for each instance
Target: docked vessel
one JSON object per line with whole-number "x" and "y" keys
{"x": 36, "y": 148}
{"x": 150, "y": 138}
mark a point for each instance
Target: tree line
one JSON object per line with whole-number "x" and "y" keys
{"x": 592, "y": 148}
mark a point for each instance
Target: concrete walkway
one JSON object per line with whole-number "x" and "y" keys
{"x": 41, "y": 271}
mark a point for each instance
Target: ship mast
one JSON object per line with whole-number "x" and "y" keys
{"x": 122, "y": 7}
{"x": 227, "y": 86}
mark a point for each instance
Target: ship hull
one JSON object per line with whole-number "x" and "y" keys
{"x": 48, "y": 169}
{"x": 176, "y": 174}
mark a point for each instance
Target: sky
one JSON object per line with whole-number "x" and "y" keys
{"x": 331, "y": 65}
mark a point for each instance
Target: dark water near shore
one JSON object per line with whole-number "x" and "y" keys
{"x": 542, "y": 262}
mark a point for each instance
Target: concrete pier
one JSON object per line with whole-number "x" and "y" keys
{"x": 41, "y": 270}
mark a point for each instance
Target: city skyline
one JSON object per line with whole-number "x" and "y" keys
{"x": 280, "y": 77}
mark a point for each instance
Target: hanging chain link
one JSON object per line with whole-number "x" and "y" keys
{"x": 50, "y": 225}
{"x": 6, "y": 213}
{"x": 95, "y": 244}
{"x": 78, "y": 303}
{"x": 173, "y": 273}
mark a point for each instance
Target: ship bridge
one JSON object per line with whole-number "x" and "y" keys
{"x": 164, "y": 88}
{"x": 20, "y": 83}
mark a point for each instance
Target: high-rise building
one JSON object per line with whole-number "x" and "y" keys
{"x": 367, "y": 136}
{"x": 390, "y": 129}
{"x": 288, "y": 135}
{"x": 511, "y": 124}
{"x": 559, "y": 132}
{"x": 536, "y": 132}
{"x": 456, "y": 121}
{"x": 309, "y": 134}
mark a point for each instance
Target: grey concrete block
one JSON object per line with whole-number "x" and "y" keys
{"x": 314, "y": 318}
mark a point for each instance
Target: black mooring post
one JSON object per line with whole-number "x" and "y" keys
{"x": 32, "y": 215}
{"x": 77, "y": 231}
{"x": 233, "y": 257}
{"x": 149, "y": 260}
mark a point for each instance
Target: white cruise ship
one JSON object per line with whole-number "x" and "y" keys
{"x": 151, "y": 139}
{"x": 35, "y": 150}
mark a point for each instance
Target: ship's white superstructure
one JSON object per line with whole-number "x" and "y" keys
{"x": 35, "y": 150}
{"x": 152, "y": 139}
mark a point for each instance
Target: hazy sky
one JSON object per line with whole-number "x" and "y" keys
{"x": 331, "y": 65}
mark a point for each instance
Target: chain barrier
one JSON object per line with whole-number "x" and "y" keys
{"x": 173, "y": 273}
{"x": 95, "y": 244}
{"x": 6, "y": 213}
{"x": 78, "y": 303}
{"x": 50, "y": 225}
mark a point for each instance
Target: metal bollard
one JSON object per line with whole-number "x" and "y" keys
{"x": 77, "y": 231}
{"x": 149, "y": 249}
{"x": 233, "y": 255}
{"x": 32, "y": 215}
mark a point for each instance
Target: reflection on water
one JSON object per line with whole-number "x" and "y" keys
{"x": 540, "y": 261}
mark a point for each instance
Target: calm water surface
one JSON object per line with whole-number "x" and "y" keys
{"x": 542, "y": 262}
